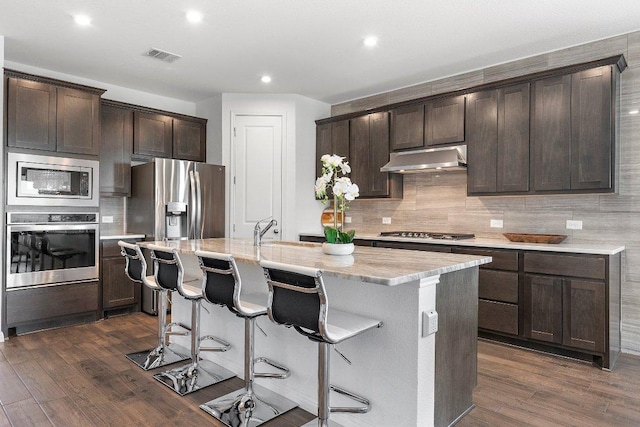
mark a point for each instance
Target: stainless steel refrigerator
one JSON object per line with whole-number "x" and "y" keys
{"x": 175, "y": 199}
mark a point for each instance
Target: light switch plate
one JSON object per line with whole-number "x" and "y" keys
{"x": 347, "y": 220}
{"x": 107, "y": 219}
{"x": 574, "y": 225}
{"x": 497, "y": 223}
{"x": 386, "y": 220}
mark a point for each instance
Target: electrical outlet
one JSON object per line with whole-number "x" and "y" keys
{"x": 497, "y": 223}
{"x": 347, "y": 220}
{"x": 574, "y": 225}
{"x": 429, "y": 323}
{"x": 386, "y": 220}
{"x": 107, "y": 219}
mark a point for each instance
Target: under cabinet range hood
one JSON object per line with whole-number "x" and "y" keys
{"x": 428, "y": 160}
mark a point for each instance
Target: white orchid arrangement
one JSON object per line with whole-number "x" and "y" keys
{"x": 343, "y": 191}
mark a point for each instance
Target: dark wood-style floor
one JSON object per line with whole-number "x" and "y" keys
{"x": 78, "y": 376}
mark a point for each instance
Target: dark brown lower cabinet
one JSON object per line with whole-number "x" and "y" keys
{"x": 565, "y": 303}
{"x": 563, "y": 311}
{"x": 49, "y": 305}
{"x": 118, "y": 291}
{"x": 584, "y": 315}
{"x": 543, "y": 308}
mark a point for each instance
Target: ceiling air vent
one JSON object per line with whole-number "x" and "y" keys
{"x": 162, "y": 55}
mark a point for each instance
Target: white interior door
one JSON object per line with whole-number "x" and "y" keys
{"x": 257, "y": 174}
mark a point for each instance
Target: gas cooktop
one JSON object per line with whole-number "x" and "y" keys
{"x": 427, "y": 235}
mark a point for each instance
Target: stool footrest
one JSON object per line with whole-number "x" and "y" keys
{"x": 224, "y": 344}
{"x": 285, "y": 371}
{"x": 350, "y": 409}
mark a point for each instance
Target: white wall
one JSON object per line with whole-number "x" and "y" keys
{"x": 2, "y": 254}
{"x": 299, "y": 209}
{"x": 116, "y": 93}
{"x": 211, "y": 109}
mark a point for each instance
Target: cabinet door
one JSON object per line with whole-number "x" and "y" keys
{"x": 513, "y": 139}
{"x": 407, "y": 127}
{"x": 543, "y": 308}
{"x": 31, "y": 115}
{"x": 340, "y": 138}
{"x": 115, "y": 155}
{"x": 482, "y": 142}
{"x": 444, "y": 122}
{"x": 551, "y": 133}
{"x": 78, "y": 122}
{"x": 152, "y": 135}
{"x": 584, "y": 311}
{"x": 359, "y": 154}
{"x": 189, "y": 140}
{"x": 379, "y": 182}
{"x": 591, "y": 130}
{"x": 368, "y": 152}
{"x": 117, "y": 289}
{"x": 323, "y": 144}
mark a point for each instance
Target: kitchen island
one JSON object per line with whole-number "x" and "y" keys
{"x": 413, "y": 377}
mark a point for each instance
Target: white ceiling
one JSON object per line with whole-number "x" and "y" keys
{"x": 309, "y": 47}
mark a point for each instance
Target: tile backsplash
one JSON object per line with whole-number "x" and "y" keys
{"x": 115, "y": 208}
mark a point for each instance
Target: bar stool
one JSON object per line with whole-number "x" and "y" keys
{"x": 170, "y": 274}
{"x": 252, "y": 405}
{"x": 163, "y": 354}
{"x": 297, "y": 297}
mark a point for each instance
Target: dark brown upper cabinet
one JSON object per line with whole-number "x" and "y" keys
{"x": 592, "y": 138}
{"x": 78, "y": 122}
{"x": 573, "y": 131}
{"x": 117, "y": 147}
{"x": 498, "y": 140}
{"x": 331, "y": 138}
{"x": 31, "y": 114}
{"x": 551, "y": 133}
{"x": 444, "y": 122}
{"x": 152, "y": 135}
{"x": 407, "y": 127}
{"x": 189, "y": 140}
{"x": 51, "y": 115}
{"x": 368, "y": 152}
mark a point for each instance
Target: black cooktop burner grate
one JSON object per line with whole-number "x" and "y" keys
{"x": 428, "y": 235}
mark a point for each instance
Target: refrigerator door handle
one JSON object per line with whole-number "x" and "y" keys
{"x": 193, "y": 208}
{"x": 199, "y": 227}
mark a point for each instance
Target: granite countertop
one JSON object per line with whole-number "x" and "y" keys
{"x": 121, "y": 236}
{"x": 500, "y": 243}
{"x": 375, "y": 265}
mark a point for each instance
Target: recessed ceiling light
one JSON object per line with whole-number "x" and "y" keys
{"x": 194, "y": 16}
{"x": 633, "y": 112}
{"x": 83, "y": 20}
{"x": 265, "y": 79}
{"x": 370, "y": 41}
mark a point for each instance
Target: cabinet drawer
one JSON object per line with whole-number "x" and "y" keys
{"x": 565, "y": 265}
{"x": 498, "y": 316}
{"x": 498, "y": 286}
{"x": 44, "y": 303}
{"x": 502, "y": 260}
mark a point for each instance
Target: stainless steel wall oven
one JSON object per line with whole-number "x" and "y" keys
{"x": 51, "y": 248}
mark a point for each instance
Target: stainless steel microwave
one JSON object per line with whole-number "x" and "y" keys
{"x": 52, "y": 181}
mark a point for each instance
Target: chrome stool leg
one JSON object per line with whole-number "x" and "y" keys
{"x": 253, "y": 404}
{"x": 324, "y": 388}
{"x": 163, "y": 354}
{"x": 199, "y": 373}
